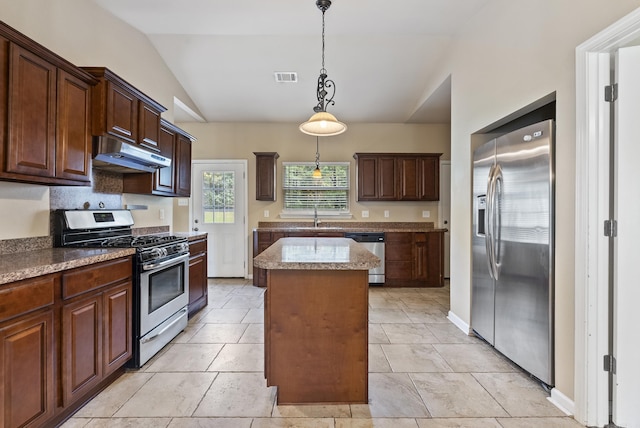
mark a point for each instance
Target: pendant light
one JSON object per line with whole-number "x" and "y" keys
{"x": 322, "y": 123}
{"x": 317, "y": 174}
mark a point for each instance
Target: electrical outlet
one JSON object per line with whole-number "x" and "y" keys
{"x": 386, "y": 213}
{"x": 426, "y": 214}
{"x": 265, "y": 214}
{"x": 365, "y": 214}
{"x": 183, "y": 202}
{"x": 161, "y": 214}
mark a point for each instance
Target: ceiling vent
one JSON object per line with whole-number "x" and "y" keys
{"x": 286, "y": 76}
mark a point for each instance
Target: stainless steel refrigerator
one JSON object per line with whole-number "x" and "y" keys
{"x": 513, "y": 223}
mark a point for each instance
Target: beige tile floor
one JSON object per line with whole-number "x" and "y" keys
{"x": 423, "y": 373}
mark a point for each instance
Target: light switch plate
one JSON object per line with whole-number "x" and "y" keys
{"x": 265, "y": 214}
{"x": 365, "y": 214}
{"x": 183, "y": 202}
{"x": 426, "y": 214}
{"x": 386, "y": 213}
{"x": 161, "y": 214}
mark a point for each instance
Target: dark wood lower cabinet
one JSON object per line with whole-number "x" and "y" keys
{"x": 27, "y": 370}
{"x": 414, "y": 259}
{"x": 198, "y": 285}
{"x": 82, "y": 346}
{"x": 63, "y": 337}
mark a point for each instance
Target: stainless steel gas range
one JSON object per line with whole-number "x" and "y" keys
{"x": 161, "y": 272}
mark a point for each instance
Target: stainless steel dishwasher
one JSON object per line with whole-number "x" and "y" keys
{"x": 374, "y": 242}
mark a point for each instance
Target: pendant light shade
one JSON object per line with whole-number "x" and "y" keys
{"x": 323, "y": 124}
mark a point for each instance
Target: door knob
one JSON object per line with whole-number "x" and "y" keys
{"x": 195, "y": 229}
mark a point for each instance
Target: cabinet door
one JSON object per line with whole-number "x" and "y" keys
{"x": 73, "y": 139}
{"x": 420, "y": 267}
{"x": 398, "y": 257}
{"x": 81, "y": 346}
{"x": 367, "y": 178}
{"x": 32, "y": 114}
{"x": 183, "y": 166}
{"x": 376, "y": 177}
{"x": 117, "y": 326}
{"x": 429, "y": 177}
{"x": 435, "y": 259}
{"x": 165, "y": 177}
{"x": 121, "y": 113}
{"x": 149, "y": 127}
{"x": 408, "y": 179}
{"x": 266, "y": 176}
{"x": 197, "y": 283}
{"x": 27, "y": 371}
{"x": 387, "y": 178}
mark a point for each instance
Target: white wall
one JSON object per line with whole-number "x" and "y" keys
{"x": 513, "y": 54}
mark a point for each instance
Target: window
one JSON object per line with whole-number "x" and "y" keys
{"x": 303, "y": 193}
{"x": 218, "y": 196}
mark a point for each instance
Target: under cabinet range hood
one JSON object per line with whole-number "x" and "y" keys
{"x": 115, "y": 155}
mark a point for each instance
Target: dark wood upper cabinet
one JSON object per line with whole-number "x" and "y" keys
{"x": 266, "y": 175}
{"x": 44, "y": 111}
{"x": 121, "y": 110}
{"x": 149, "y": 121}
{"x": 397, "y": 176}
{"x": 32, "y": 114}
{"x": 183, "y": 165}
{"x": 165, "y": 178}
{"x": 119, "y": 116}
{"x": 174, "y": 180}
{"x": 73, "y": 141}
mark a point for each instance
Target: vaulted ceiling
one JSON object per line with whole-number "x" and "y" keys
{"x": 380, "y": 55}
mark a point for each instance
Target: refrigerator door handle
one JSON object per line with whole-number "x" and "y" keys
{"x": 496, "y": 209}
{"x": 488, "y": 226}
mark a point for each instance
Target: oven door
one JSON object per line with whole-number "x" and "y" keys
{"x": 164, "y": 290}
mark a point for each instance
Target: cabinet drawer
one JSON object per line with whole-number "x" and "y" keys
{"x": 196, "y": 247}
{"x": 26, "y": 296}
{"x": 85, "y": 279}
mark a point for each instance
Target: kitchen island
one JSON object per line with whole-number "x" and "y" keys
{"x": 316, "y": 319}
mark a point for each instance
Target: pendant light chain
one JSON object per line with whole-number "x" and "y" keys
{"x": 323, "y": 70}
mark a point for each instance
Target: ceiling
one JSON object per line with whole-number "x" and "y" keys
{"x": 225, "y": 54}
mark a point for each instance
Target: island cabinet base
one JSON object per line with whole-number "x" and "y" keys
{"x": 316, "y": 335}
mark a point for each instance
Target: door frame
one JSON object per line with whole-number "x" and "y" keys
{"x": 593, "y": 72}
{"x": 440, "y": 224}
{"x": 245, "y": 214}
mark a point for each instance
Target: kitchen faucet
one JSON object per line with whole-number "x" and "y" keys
{"x": 316, "y": 222}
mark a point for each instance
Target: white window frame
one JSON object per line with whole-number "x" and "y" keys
{"x": 289, "y": 213}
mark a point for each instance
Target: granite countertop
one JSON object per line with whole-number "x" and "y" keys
{"x": 316, "y": 254}
{"x": 348, "y": 226}
{"x": 23, "y": 265}
{"x": 191, "y": 236}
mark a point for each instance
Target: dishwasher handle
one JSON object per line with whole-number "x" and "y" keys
{"x": 365, "y": 236}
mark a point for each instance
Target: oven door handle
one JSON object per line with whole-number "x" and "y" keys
{"x": 152, "y": 266}
{"x": 161, "y": 332}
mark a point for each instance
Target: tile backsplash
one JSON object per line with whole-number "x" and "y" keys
{"x": 105, "y": 192}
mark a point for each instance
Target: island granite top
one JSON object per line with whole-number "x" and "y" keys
{"x": 316, "y": 254}
{"x": 30, "y": 264}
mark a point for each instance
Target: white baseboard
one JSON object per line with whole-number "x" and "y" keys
{"x": 562, "y": 402}
{"x": 459, "y": 322}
